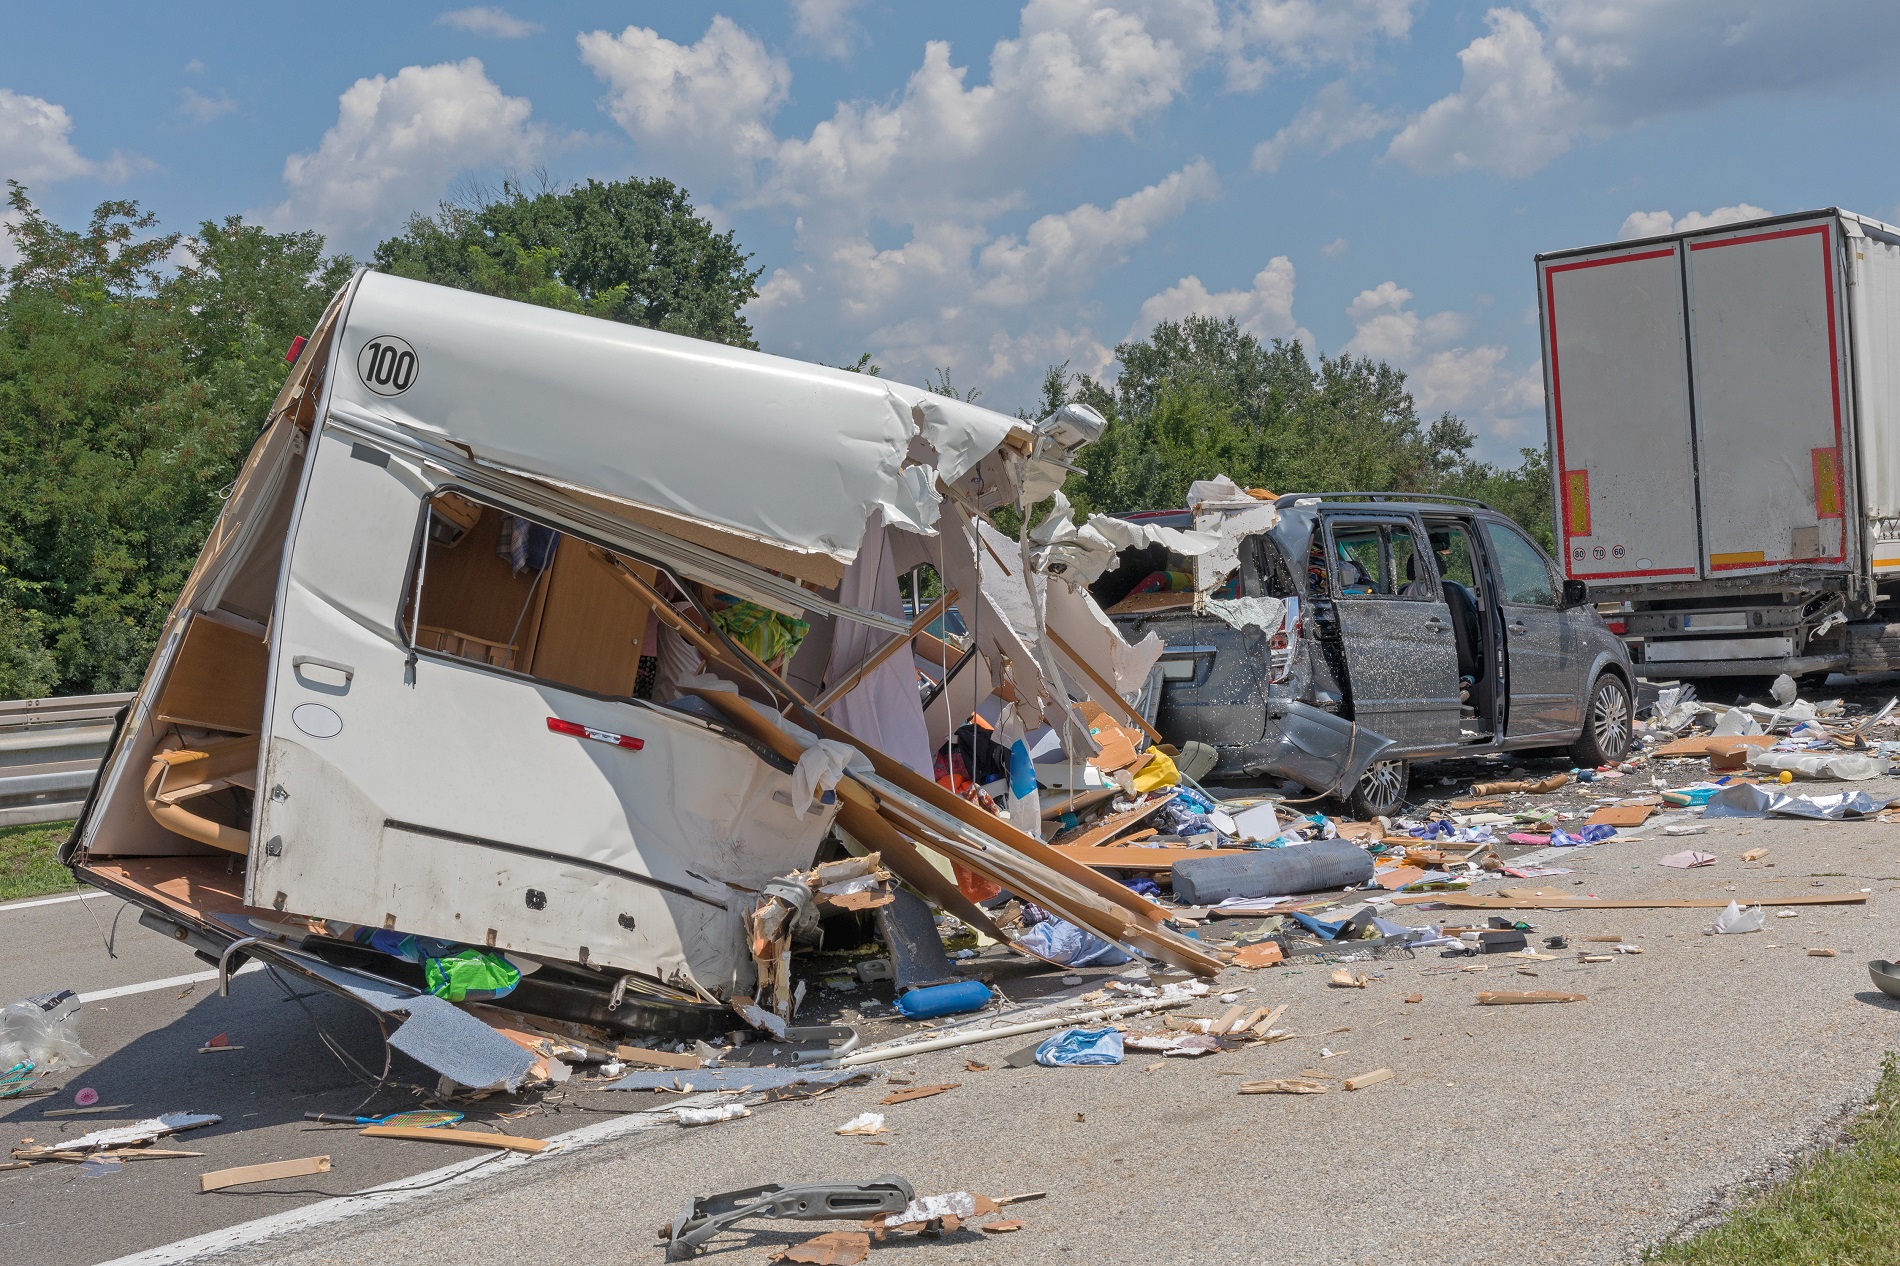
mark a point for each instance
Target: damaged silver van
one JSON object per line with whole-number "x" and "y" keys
{"x": 1358, "y": 633}
{"x": 403, "y": 721}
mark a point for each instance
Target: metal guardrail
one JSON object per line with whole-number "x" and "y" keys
{"x": 50, "y": 751}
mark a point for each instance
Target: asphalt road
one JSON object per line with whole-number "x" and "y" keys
{"x": 146, "y": 1045}
{"x": 1566, "y": 1133}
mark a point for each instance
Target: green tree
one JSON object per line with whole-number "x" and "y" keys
{"x": 629, "y": 250}
{"x": 1202, "y": 397}
{"x": 129, "y": 394}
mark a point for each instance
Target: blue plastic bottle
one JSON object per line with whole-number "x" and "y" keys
{"x": 935, "y": 1000}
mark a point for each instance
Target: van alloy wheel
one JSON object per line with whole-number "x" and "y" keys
{"x": 1606, "y": 727}
{"x": 1381, "y": 792}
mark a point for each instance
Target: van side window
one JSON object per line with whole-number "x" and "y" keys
{"x": 1414, "y": 574}
{"x": 501, "y": 590}
{"x": 1525, "y": 577}
{"x": 1358, "y": 562}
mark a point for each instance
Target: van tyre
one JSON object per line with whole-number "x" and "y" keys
{"x": 1607, "y": 718}
{"x": 1381, "y": 792}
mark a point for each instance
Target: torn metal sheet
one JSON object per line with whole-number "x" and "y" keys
{"x": 910, "y": 932}
{"x": 1318, "y": 749}
{"x": 1242, "y": 613}
{"x": 429, "y": 1030}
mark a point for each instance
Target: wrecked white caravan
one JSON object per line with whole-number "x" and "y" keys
{"x": 398, "y": 695}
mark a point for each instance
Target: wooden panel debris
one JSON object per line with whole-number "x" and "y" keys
{"x": 218, "y": 1179}
{"x": 466, "y": 1138}
{"x": 1518, "y": 998}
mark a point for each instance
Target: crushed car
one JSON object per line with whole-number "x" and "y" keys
{"x": 1333, "y": 640}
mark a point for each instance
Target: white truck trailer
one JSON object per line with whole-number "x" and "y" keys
{"x": 1724, "y": 413}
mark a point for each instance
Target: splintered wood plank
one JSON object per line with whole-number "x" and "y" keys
{"x": 466, "y": 1138}
{"x": 218, "y": 1179}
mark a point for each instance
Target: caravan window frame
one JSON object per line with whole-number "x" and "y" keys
{"x": 415, "y": 583}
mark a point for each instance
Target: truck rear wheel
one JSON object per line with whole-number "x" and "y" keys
{"x": 1606, "y": 724}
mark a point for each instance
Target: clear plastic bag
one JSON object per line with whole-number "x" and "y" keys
{"x": 41, "y": 1031}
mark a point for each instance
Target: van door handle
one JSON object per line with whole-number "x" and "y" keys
{"x": 1518, "y": 626}
{"x": 1437, "y": 625}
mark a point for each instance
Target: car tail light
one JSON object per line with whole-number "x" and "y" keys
{"x": 1618, "y": 627}
{"x": 1284, "y": 644}
{"x": 576, "y": 730}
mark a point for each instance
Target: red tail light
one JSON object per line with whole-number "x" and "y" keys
{"x": 577, "y": 730}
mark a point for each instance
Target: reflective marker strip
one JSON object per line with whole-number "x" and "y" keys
{"x": 627, "y": 741}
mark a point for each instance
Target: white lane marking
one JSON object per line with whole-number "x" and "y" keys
{"x": 339, "y": 1208}
{"x": 170, "y": 982}
{"x": 53, "y": 901}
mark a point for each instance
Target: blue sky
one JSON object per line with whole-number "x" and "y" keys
{"x": 995, "y": 187}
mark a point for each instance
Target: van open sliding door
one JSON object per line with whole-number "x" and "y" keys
{"x": 1767, "y": 333}
{"x": 1617, "y": 384}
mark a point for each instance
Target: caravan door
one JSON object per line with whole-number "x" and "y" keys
{"x": 453, "y": 749}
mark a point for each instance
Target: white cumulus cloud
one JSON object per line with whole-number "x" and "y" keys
{"x": 1656, "y": 223}
{"x": 201, "y": 109}
{"x": 1329, "y": 122}
{"x": 36, "y": 142}
{"x": 707, "y": 106}
{"x": 1067, "y": 251}
{"x": 1264, "y": 308}
{"x": 1445, "y": 374}
{"x": 1310, "y": 32}
{"x": 1549, "y": 74}
{"x": 487, "y": 19}
{"x": 827, "y": 24}
{"x": 399, "y": 141}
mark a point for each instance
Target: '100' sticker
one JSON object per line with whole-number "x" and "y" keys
{"x": 387, "y": 365}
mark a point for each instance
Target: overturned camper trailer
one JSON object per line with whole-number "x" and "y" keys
{"x": 395, "y": 725}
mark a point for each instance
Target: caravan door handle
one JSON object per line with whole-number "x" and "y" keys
{"x": 299, "y": 662}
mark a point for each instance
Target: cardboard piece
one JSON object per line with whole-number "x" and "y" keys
{"x": 1399, "y": 876}
{"x": 1259, "y": 954}
{"x": 1621, "y": 815}
{"x": 918, "y": 1092}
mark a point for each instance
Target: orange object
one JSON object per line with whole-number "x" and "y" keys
{"x": 1259, "y": 954}
{"x": 973, "y": 885}
{"x": 1621, "y": 815}
{"x": 1399, "y": 876}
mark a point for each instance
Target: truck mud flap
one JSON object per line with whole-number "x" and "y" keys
{"x": 1326, "y": 753}
{"x": 429, "y": 1030}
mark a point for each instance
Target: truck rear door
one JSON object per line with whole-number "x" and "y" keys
{"x": 1617, "y": 377}
{"x": 1767, "y": 355}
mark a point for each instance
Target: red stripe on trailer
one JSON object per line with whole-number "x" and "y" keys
{"x": 576, "y": 730}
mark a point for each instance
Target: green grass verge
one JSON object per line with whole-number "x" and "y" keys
{"x": 29, "y": 861}
{"x": 1840, "y": 1209}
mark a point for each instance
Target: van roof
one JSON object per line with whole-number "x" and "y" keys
{"x": 777, "y": 450}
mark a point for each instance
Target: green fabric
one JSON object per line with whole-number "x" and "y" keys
{"x": 470, "y": 972}
{"x": 764, "y": 632}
